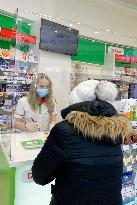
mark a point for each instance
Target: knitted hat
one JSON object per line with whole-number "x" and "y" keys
{"x": 93, "y": 89}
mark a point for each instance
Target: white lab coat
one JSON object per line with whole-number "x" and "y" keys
{"x": 25, "y": 112}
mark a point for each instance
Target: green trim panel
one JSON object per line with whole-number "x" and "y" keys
{"x": 9, "y": 22}
{"x": 7, "y": 181}
{"x": 90, "y": 51}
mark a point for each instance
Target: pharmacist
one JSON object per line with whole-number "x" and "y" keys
{"x": 36, "y": 111}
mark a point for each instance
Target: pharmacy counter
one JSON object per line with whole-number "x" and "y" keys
{"x": 17, "y": 152}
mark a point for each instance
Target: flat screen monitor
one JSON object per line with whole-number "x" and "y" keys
{"x": 58, "y": 38}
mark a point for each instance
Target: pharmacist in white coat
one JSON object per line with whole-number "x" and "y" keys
{"x": 36, "y": 111}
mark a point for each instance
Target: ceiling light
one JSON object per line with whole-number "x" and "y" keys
{"x": 78, "y": 23}
{"x": 107, "y": 30}
{"x": 97, "y": 27}
{"x": 71, "y": 25}
{"x": 96, "y": 32}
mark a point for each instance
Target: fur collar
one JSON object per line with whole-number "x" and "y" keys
{"x": 94, "y": 127}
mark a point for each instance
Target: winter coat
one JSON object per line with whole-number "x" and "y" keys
{"x": 83, "y": 153}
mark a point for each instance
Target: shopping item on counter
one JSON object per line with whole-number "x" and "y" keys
{"x": 33, "y": 144}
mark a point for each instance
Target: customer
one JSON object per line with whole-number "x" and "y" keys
{"x": 37, "y": 110}
{"x": 83, "y": 152}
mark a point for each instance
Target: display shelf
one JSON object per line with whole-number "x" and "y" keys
{"x": 5, "y": 82}
{"x": 27, "y": 62}
{"x": 23, "y": 82}
{"x": 118, "y": 71}
{"x": 6, "y": 93}
{"x": 7, "y": 59}
{"x": 129, "y": 188}
{"x": 8, "y": 71}
{"x": 20, "y": 93}
{"x": 16, "y": 76}
{"x": 128, "y": 74}
{"x": 24, "y": 73}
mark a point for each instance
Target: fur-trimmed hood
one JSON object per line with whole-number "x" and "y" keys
{"x": 94, "y": 127}
{"x": 98, "y": 120}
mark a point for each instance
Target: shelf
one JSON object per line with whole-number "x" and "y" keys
{"x": 116, "y": 80}
{"x": 128, "y": 74}
{"x": 18, "y": 93}
{"x": 23, "y": 61}
{"x": 8, "y": 71}
{"x": 18, "y": 60}
{"x": 7, "y": 59}
{"x": 22, "y": 82}
{"x": 3, "y": 81}
{"x": 4, "y": 112}
{"x": 24, "y": 74}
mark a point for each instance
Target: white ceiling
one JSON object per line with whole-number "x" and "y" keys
{"x": 132, "y": 2}
{"x": 127, "y": 4}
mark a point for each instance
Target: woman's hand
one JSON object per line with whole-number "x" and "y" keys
{"x": 53, "y": 120}
{"x": 32, "y": 126}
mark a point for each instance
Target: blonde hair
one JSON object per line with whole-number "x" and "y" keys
{"x": 32, "y": 95}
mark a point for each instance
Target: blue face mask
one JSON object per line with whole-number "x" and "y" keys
{"x": 42, "y": 92}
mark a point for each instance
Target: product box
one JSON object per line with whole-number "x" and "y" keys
{"x": 128, "y": 192}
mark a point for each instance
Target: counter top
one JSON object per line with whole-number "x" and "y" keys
{"x": 15, "y": 153}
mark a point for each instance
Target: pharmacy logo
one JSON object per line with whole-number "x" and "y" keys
{"x": 27, "y": 176}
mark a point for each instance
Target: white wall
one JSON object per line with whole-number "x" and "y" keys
{"x": 57, "y": 67}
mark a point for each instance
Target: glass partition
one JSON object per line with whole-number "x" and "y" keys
{"x": 32, "y": 115}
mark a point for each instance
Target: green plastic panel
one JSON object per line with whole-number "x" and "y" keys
{"x": 7, "y": 181}
{"x": 23, "y": 27}
{"x": 6, "y": 22}
{"x": 9, "y": 22}
{"x": 90, "y": 51}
